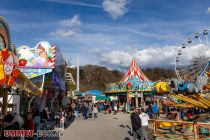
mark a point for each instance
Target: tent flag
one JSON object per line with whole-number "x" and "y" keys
{"x": 134, "y": 70}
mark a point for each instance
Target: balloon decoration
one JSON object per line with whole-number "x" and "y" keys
{"x": 8, "y": 68}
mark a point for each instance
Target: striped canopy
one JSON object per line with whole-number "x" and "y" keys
{"x": 134, "y": 70}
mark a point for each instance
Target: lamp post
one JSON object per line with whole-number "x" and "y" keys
{"x": 136, "y": 98}
{"x": 128, "y": 103}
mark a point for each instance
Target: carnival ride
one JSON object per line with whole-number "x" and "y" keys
{"x": 133, "y": 84}
{"x": 192, "y": 59}
{"x": 193, "y": 71}
{"x": 192, "y": 68}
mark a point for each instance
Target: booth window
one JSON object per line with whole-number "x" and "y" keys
{"x": 2, "y": 43}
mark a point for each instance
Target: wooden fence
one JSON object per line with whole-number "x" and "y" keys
{"x": 179, "y": 130}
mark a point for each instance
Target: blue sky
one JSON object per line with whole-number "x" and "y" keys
{"x": 108, "y": 32}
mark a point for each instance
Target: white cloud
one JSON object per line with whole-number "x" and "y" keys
{"x": 98, "y": 44}
{"x": 115, "y": 8}
{"x": 68, "y": 27}
{"x": 208, "y": 10}
{"x": 72, "y": 22}
{"x": 65, "y": 33}
{"x": 153, "y": 57}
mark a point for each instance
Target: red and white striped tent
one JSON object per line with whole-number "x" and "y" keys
{"x": 134, "y": 70}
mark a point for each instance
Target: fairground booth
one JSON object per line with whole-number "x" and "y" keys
{"x": 133, "y": 90}
{"x": 45, "y": 66}
{"x": 14, "y": 86}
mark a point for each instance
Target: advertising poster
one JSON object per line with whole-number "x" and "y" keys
{"x": 36, "y": 61}
{"x": 39, "y": 57}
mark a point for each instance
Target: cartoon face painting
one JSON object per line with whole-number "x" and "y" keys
{"x": 8, "y": 65}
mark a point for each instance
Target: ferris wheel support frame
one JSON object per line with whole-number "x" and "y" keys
{"x": 205, "y": 69}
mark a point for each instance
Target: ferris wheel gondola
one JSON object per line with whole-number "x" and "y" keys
{"x": 193, "y": 56}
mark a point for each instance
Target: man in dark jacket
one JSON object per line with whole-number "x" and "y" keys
{"x": 136, "y": 123}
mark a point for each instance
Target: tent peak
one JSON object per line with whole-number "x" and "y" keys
{"x": 134, "y": 70}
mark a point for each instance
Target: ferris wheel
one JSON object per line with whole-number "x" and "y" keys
{"x": 193, "y": 57}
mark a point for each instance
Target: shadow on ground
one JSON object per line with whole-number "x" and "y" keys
{"x": 121, "y": 125}
{"x": 126, "y": 138}
{"x": 129, "y": 130}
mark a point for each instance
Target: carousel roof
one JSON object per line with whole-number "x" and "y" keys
{"x": 134, "y": 70}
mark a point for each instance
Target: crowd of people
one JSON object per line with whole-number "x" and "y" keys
{"x": 88, "y": 110}
{"x": 16, "y": 122}
{"x": 36, "y": 120}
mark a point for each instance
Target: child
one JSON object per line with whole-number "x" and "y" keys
{"x": 95, "y": 111}
{"x": 115, "y": 112}
{"x": 62, "y": 121}
{"x": 110, "y": 110}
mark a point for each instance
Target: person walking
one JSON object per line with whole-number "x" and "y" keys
{"x": 45, "y": 118}
{"x": 29, "y": 124}
{"x": 123, "y": 108}
{"x": 57, "y": 119}
{"x": 62, "y": 121}
{"x": 115, "y": 112}
{"x": 76, "y": 110}
{"x": 85, "y": 112}
{"x": 136, "y": 123}
{"x": 110, "y": 109}
{"x": 18, "y": 119}
{"x": 37, "y": 119}
{"x": 144, "y": 124}
{"x": 95, "y": 111}
{"x": 155, "y": 111}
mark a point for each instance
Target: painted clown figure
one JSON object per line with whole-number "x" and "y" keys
{"x": 8, "y": 68}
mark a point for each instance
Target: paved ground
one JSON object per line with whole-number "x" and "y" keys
{"x": 105, "y": 127}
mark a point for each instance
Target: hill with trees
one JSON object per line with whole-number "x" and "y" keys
{"x": 96, "y": 77}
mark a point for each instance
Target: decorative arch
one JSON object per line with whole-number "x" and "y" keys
{"x": 4, "y": 32}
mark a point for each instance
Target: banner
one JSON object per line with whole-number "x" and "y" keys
{"x": 39, "y": 57}
{"x": 31, "y": 73}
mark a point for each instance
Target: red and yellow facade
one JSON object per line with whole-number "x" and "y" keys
{"x": 9, "y": 74}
